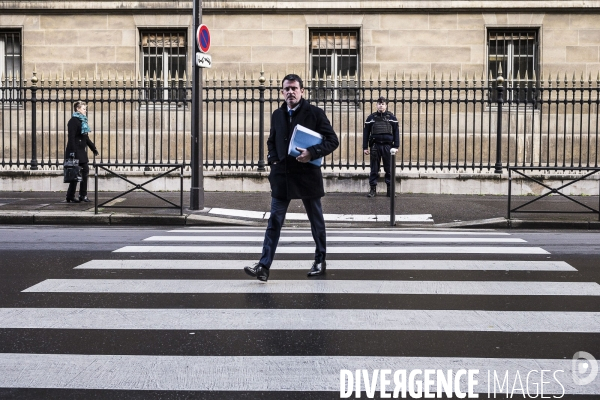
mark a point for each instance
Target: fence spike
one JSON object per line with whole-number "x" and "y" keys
{"x": 450, "y": 79}
{"x": 581, "y": 79}
{"x": 590, "y": 78}
{"x": 500, "y": 69}
{"x": 490, "y": 77}
{"x": 598, "y": 77}
{"x": 534, "y": 77}
{"x": 526, "y": 75}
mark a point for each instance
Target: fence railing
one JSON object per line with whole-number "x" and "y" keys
{"x": 445, "y": 124}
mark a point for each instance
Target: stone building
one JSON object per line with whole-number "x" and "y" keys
{"x": 333, "y": 38}
{"x": 332, "y": 44}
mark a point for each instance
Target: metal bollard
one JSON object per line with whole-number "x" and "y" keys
{"x": 393, "y": 186}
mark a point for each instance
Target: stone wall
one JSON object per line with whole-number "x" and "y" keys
{"x": 418, "y": 42}
{"x": 101, "y": 36}
{"x": 58, "y": 44}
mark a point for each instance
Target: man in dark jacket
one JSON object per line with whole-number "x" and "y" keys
{"x": 379, "y": 137}
{"x": 295, "y": 177}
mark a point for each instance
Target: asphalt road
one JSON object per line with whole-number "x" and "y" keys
{"x": 438, "y": 297}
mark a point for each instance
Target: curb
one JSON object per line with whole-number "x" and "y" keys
{"x": 201, "y": 219}
{"x": 89, "y": 218}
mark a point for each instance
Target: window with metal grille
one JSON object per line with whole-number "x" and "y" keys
{"x": 516, "y": 52}
{"x": 10, "y": 62}
{"x": 164, "y": 62}
{"x": 334, "y": 59}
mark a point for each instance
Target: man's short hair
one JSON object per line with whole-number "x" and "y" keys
{"x": 293, "y": 77}
{"x": 382, "y": 99}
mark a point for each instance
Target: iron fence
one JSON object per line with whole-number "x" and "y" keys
{"x": 470, "y": 124}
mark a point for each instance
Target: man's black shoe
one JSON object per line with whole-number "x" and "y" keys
{"x": 317, "y": 269}
{"x": 84, "y": 199}
{"x": 258, "y": 271}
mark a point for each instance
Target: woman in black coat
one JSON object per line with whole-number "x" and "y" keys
{"x": 77, "y": 146}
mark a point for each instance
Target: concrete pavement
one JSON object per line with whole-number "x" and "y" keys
{"x": 341, "y": 209}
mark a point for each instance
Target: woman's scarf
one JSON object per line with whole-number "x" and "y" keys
{"x": 85, "y": 128}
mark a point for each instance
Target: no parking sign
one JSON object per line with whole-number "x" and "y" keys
{"x": 203, "y": 38}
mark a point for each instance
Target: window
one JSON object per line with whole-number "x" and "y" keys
{"x": 516, "y": 52}
{"x": 10, "y": 62}
{"x": 164, "y": 57}
{"x": 334, "y": 58}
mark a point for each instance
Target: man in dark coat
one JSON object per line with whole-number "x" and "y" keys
{"x": 295, "y": 177}
{"x": 379, "y": 137}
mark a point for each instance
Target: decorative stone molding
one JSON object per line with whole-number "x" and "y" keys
{"x": 175, "y": 6}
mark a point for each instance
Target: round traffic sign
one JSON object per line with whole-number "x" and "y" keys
{"x": 203, "y": 38}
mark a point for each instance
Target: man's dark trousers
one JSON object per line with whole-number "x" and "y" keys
{"x": 317, "y": 226}
{"x": 383, "y": 154}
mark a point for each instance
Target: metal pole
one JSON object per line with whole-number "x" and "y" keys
{"x": 34, "y": 162}
{"x": 181, "y": 190}
{"x": 261, "y": 123}
{"x": 509, "y": 190}
{"x": 393, "y": 187}
{"x": 197, "y": 184}
{"x": 95, "y": 189}
{"x": 500, "y": 89}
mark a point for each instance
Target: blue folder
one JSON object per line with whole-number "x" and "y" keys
{"x": 304, "y": 138}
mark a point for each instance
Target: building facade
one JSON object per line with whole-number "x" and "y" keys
{"x": 331, "y": 39}
{"x": 348, "y": 52}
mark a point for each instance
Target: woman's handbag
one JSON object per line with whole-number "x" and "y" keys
{"x": 72, "y": 172}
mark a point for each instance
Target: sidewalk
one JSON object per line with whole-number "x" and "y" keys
{"x": 251, "y": 209}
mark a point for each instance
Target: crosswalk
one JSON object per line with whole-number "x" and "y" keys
{"x": 392, "y": 300}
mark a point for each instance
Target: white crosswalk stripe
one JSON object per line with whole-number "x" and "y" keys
{"x": 239, "y": 373}
{"x": 216, "y": 296}
{"x": 497, "y": 288}
{"x": 338, "y": 249}
{"x": 335, "y": 239}
{"x": 419, "y": 265}
{"x": 301, "y": 319}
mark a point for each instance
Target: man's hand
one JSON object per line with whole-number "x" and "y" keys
{"x": 304, "y": 156}
{"x": 366, "y": 151}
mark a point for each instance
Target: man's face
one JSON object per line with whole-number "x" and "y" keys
{"x": 292, "y": 93}
{"x": 381, "y": 107}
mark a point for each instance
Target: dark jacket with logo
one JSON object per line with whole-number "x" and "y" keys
{"x": 78, "y": 143}
{"x": 381, "y": 128}
{"x": 289, "y": 178}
